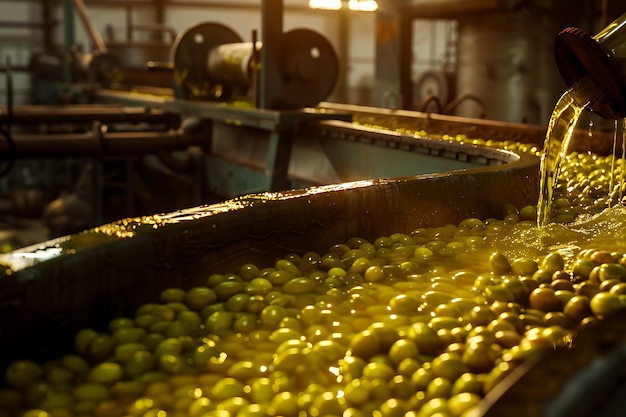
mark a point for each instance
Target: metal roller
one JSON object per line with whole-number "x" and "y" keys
{"x": 212, "y": 63}
{"x": 233, "y": 63}
{"x": 190, "y": 55}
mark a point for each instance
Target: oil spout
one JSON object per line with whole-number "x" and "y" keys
{"x": 601, "y": 58}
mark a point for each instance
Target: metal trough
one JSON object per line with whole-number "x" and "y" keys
{"x": 86, "y": 279}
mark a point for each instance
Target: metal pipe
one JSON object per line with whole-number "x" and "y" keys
{"x": 89, "y": 26}
{"x": 68, "y": 38}
{"x": 271, "y": 35}
{"x": 28, "y": 114}
{"x": 98, "y": 143}
{"x": 7, "y": 24}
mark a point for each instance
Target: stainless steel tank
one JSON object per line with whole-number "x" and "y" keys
{"x": 505, "y": 59}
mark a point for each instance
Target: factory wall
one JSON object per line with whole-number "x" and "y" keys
{"x": 352, "y": 34}
{"x": 16, "y": 46}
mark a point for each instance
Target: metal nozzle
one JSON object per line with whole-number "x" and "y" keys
{"x": 602, "y": 58}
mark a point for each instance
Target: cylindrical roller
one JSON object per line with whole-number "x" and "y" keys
{"x": 190, "y": 55}
{"x": 231, "y": 63}
{"x": 211, "y": 63}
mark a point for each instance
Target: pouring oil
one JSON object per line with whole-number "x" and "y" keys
{"x": 564, "y": 118}
{"x": 600, "y": 231}
{"x": 616, "y": 191}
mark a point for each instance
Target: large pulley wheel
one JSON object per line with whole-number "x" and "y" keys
{"x": 190, "y": 54}
{"x": 309, "y": 68}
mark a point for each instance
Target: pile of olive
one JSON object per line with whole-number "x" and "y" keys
{"x": 418, "y": 324}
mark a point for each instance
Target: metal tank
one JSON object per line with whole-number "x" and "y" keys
{"x": 505, "y": 59}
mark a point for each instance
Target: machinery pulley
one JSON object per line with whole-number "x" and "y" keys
{"x": 309, "y": 68}
{"x": 190, "y": 56}
{"x": 212, "y": 63}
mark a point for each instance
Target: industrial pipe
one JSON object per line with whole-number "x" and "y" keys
{"x": 99, "y": 143}
{"x": 93, "y": 33}
{"x": 30, "y": 114}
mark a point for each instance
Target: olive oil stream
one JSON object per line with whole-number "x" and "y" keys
{"x": 564, "y": 118}
{"x": 606, "y": 230}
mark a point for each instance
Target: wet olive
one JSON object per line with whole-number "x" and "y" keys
{"x": 605, "y": 303}
{"x": 544, "y": 298}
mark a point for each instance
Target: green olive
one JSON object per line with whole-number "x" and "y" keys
{"x": 403, "y": 349}
{"x": 101, "y": 347}
{"x": 425, "y": 338}
{"x": 219, "y": 322}
{"x": 544, "y": 298}
{"x": 299, "y": 285}
{"x": 605, "y": 303}
{"x": 271, "y": 316}
{"x": 378, "y": 370}
{"x": 609, "y": 271}
{"x": 327, "y": 403}
{"x": 171, "y": 363}
{"x": 173, "y": 295}
{"x": 439, "y": 387}
{"x": 22, "y": 373}
{"x": 435, "y": 407}
{"x": 140, "y": 362}
{"x": 146, "y": 321}
{"x": 358, "y": 391}
{"x": 552, "y": 262}
{"x": 199, "y": 297}
{"x": 360, "y": 265}
{"x": 448, "y": 365}
{"x": 524, "y": 266}
{"x": 461, "y": 404}
{"x": 374, "y": 274}
{"x": 468, "y": 382}
{"x": 499, "y": 264}
{"x": 225, "y": 290}
{"x": 129, "y": 334}
{"x": 351, "y": 367}
{"x": 105, "y": 373}
{"x": 258, "y": 286}
{"x": 228, "y": 388}
{"x": 232, "y": 405}
{"x": 249, "y": 271}
{"x": 262, "y": 390}
{"x": 91, "y": 392}
{"x": 56, "y": 375}
{"x": 365, "y": 344}
{"x": 83, "y": 339}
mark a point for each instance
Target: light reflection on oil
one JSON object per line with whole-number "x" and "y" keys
{"x": 131, "y": 227}
{"x": 32, "y": 255}
{"x": 603, "y": 231}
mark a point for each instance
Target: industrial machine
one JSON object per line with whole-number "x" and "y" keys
{"x": 237, "y": 118}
